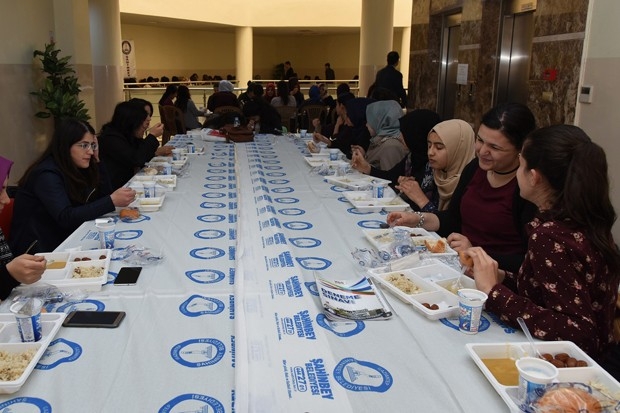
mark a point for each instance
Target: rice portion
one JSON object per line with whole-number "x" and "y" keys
{"x": 87, "y": 272}
{"x": 403, "y": 283}
{"x": 12, "y": 365}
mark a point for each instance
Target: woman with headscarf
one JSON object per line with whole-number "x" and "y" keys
{"x": 450, "y": 149}
{"x": 224, "y": 96}
{"x": 414, "y": 127}
{"x": 356, "y": 120}
{"x": 270, "y": 92}
{"x": 385, "y": 149}
{"x": 25, "y": 268}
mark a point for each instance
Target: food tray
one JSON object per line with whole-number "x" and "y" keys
{"x": 355, "y": 182}
{"x": 436, "y": 282}
{"x": 10, "y": 342}
{"x": 318, "y": 161}
{"x": 199, "y": 151}
{"x": 167, "y": 181}
{"x": 148, "y": 204}
{"x": 382, "y": 238}
{"x": 364, "y": 202}
{"x": 592, "y": 375}
{"x": 62, "y": 277}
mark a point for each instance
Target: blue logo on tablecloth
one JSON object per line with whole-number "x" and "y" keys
{"x": 287, "y": 200}
{"x": 27, "y": 404}
{"x": 141, "y": 218}
{"x": 270, "y": 162}
{"x": 193, "y": 403}
{"x": 279, "y": 181}
{"x": 211, "y": 218}
{"x": 216, "y": 171}
{"x": 340, "y": 328}
{"x": 209, "y": 205}
{"x": 453, "y": 322}
{"x": 358, "y": 375}
{"x": 291, "y": 211}
{"x": 275, "y": 174}
{"x": 205, "y": 276}
{"x": 198, "y": 305}
{"x": 213, "y": 195}
{"x": 370, "y": 224}
{"x": 343, "y": 199}
{"x": 273, "y": 167}
{"x": 357, "y": 211}
{"x": 283, "y": 190}
{"x": 198, "y": 352}
{"x": 312, "y": 288}
{"x": 215, "y": 186}
{"x": 338, "y": 188}
{"x": 305, "y": 242}
{"x": 84, "y": 305}
{"x": 59, "y": 351}
{"x": 207, "y": 253}
{"x": 209, "y": 234}
{"x": 297, "y": 225}
{"x": 128, "y": 234}
{"x": 215, "y": 178}
{"x": 216, "y": 164}
{"x": 268, "y": 156}
{"x": 313, "y": 263}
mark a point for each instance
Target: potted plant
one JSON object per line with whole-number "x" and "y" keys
{"x": 60, "y": 90}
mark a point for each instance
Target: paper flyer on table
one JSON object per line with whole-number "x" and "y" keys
{"x": 353, "y": 299}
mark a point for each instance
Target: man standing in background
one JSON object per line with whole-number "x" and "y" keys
{"x": 391, "y": 79}
{"x": 288, "y": 71}
{"x": 329, "y": 72}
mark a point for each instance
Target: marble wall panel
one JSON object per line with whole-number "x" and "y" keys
{"x": 440, "y": 6}
{"x": 560, "y": 16}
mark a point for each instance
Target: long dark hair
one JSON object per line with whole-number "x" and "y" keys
{"x": 170, "y": 90}
{"x": 127, "y": 118}
{"x": 283, "y": 92}
{"x": 183, "y": 96}
{"x": 513, "y": 120}
{"x": 576, "y": 169}
{"x": 80, "y": 182}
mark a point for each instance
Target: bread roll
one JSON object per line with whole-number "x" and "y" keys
{"x": 129, "y": 213}
{"x": 466, "y": 260}
{"x": 568, "y": 400}
{"x": 436, "y": 246}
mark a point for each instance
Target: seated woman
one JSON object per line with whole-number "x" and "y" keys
{"x": 385, "y": 149}
{"x": 414, "y": 128}
{"x": 25, "y": 269}
{"x": 123, "y": 151}
{"x": 158, "y": 129}
{"x": 487, "y": 188}
{"x": 337, "y": 134}
{"x": 62, "y": 189}
{"x": 567, "y": 286}
{"x": 283, "y": 97}
{"x": 270, "y": 92}
{"x": 224, "y": 96}
{"x": 189, "y": 109}
{"x": 262, "y": 118}
{"x": 450, "y": 149}
{"x": 167, "y": 99}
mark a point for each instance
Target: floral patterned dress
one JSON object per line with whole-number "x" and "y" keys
{"x": 565, "y": 289}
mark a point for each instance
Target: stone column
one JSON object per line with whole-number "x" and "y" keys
{"x": 105, "y": 41}
{"x": 376, "y": 36}
{"x": 244, "y": 55}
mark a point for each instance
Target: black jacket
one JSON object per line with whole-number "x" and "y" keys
{"x": 391, "y": 79}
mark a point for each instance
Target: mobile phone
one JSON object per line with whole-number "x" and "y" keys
{"x": 127, "y": 276}
{"x": 105, "y": 319}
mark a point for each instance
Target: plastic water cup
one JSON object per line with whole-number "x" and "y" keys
{"x": 28, "y": 318}
{"x": 303, "y": 133}
{"x": 470, "y": 309}
{"x": 378, "y": 190}
{"x": 334, "y": 154}
{"x": 149, "y": 189}
{"x": 176, "y": 154}
{"x": 534, "y": 376}
{"x": 191, "y": 148}
{"x": 341, "y": 168}
{"x": 107, "y": 230}
{"x": 167, "y": 168}
{"x": 139, "y": 188}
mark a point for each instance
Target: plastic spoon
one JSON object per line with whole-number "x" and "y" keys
{"x": 527, "y": 333}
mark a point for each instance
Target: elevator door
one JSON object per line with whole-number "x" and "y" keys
{"x": 450, "y": 42}
{"x": 515, "y": 55}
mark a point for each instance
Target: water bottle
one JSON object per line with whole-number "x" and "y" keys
{"x": 236, "y": 124}
{"x": 304, "y": 120}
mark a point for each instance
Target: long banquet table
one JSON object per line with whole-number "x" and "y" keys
{"x": 230, "y": 319}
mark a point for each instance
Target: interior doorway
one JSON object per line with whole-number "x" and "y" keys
{"x": 448, "y": 89}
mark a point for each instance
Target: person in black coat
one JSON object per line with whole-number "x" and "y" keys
{"x": 391, "y": 79}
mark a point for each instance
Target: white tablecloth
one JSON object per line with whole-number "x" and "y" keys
{"x": 230, "y": 320}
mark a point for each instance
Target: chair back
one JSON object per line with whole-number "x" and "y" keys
{"x": 286, "y": 113}
{"x": 6, "y": 216}
{"x": 314, "y": 112}
{"x": 227, "y": 109}
{"x": 165, "y": 137}
{"x": 174, "y": 120}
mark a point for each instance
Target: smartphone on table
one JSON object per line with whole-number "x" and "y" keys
{"x": 128, "y": 276}
{"x": 102, "y": 319}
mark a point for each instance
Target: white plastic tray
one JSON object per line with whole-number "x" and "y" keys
{"x": 10, "y": 342}
{"x": 355, "y": 182}
{"x": 593, "y": 375}
{"x": 63, "y": 277}
{"x": 437, "y": 283}
{"x": 381, "y": 238}
{"x": 364, "y": 202}
{"x": 149, "y": 204}
{"x": 167, "y": 181}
